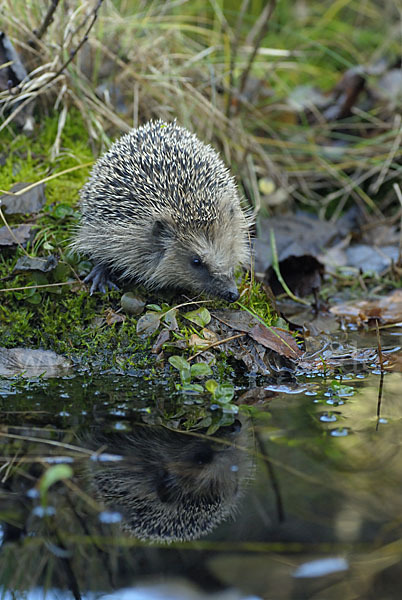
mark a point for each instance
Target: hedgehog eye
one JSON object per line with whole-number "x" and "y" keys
{"x": 196, "y": 262}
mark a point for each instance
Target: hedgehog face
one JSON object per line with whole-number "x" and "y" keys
{"x": 198, "y": 260}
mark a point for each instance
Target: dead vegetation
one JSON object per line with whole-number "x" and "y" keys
{"x": 305, "y": 114}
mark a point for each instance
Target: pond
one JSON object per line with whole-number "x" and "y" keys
{"x": 299, "y": 498}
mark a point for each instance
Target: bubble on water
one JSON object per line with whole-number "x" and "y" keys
{"x": 109, "y": 517}
{"x": 321, "y": 567}
{"x": 335, "y": 402}
{"x": 55, "y": 460}
{"x": 328, "y": 417}
{"x": 339, "y": 432}
{"x": 105, "y": 457}
{"x": 117, "y": 412}
{"x": 120, "y": 426}
{"x": 44, "y": 511}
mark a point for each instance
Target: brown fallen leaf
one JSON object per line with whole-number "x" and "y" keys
{"x": 387, "y": 309}
{"x": 114, "y": 317}
{"x": 276, "y": 339}
{"x": 163, "y": 337}
{"x": 260, "y": 350}
{"x": 195, "y": 341}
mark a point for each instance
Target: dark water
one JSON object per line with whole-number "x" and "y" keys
{"x": 300, "y": 498}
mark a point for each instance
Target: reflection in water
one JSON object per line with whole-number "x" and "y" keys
{"x": 171, "y": 486}
{"x": 319, "y": 521}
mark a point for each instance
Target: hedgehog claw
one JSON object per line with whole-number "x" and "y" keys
{"x": 100, "y": 280}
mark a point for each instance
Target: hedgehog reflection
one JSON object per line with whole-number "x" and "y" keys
{"x": 173, "y": 486}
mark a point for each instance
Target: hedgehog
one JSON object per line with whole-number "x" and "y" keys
{"x": 161, "y": 209}
{"x": 169, "y": 485}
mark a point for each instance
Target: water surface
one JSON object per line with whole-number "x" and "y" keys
{"x": 299, "y": 498}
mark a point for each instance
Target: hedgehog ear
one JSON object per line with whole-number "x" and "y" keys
{"x": 161, "y": 233}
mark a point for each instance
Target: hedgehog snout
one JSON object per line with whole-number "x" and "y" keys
{"x": 226, "y": 289}
{"x": 231, "y": 295}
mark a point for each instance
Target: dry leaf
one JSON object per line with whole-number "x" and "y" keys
{"x": 276, "y": 339}
{"x": 387, "y": 309}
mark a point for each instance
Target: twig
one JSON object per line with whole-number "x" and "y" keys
{"x": 42, "y": 285}
{"x": 380, "y": 357}
{"x": 263, "y": 28}
{"x": 380, "y": 388}
{"x": 11, "y": 232}
{"x": 374, "y": 187}
{"x": 74, "y": 52}
{"x": 29, "y": 438}
{"x": 39, "y": 33}
{"x": 218, "y": 343}
{"x": 234, "y": 42}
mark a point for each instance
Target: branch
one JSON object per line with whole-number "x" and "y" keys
{"x": 263, "y": 28}
{"x": 74, "y": 52}
{"x": 39, "y": 33}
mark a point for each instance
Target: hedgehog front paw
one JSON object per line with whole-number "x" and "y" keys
{"x": 100, "y": 280}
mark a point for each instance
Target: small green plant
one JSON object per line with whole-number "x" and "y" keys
{"x": 221, "y": 393}
{"x": 187, "y": 372}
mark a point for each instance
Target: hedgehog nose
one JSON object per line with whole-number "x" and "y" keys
{"x": 232, "y": 296}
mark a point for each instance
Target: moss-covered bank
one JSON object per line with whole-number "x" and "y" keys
{"x": 65, "y": 318}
